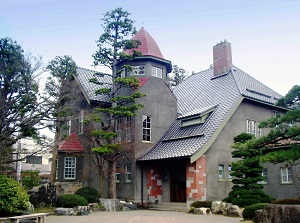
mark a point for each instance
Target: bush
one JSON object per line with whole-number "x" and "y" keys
{"x": 31, "y": 179}
{"x": 199, "y": 204}
{"x": 71, "y": 200}
{"x": 13, "y": 198}
{"x": 89, "y": 193}
{"x": 287, "y": 201}
{"x": 249, "y": 211}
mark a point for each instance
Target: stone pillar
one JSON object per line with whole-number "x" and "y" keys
{"x": 196, "y": 180}
{"x": 154, "y": 185}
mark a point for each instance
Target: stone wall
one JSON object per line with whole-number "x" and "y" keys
{"x": 67, "y": 187}
{"x": 277, "y": 213}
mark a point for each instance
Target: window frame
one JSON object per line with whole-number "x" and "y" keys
{"x": 128, "y": 173}
{"x": 70, "y": 170}
{"x": 155, "y": 73}
{"x": 221, "y": 176}
{"x": 264, "y": 173}
{"x": 128, "y": 127}
{"x": 253, "y": 127}
{"x": 81, "y": 118}
{"x": 119, "y": 129}
{"x": 146, "y": 128}
{"x": 229, "y": 168}
{"x": 286, "y": 172}
{"x": 248, "y": 126}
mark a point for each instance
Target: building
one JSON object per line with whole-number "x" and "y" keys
{"x": 182, "y": 137}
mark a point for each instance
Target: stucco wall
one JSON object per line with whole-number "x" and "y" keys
{"x": 220, "y": 150}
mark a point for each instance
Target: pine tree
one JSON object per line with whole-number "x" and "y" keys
{"x": 122, "y": 94}
{"x": 246, "y": 174}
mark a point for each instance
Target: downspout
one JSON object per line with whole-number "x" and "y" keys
{"x": 142, "y": 183}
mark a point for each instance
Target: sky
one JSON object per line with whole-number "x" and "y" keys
{"x": 264, "y": 34}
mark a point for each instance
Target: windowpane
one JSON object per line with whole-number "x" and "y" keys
{"x": 286, "y": 175}
{"x": 128, "y": 173}
{"x": 156, "y": 72}
{"x": 146, "y": 128}
{"x": 253, "y": 127}
{"x": 221, "y": 172}
{"x": 229, "y": 172}
{"x": 70, "y": 168}
{"x": 248, "y": 126}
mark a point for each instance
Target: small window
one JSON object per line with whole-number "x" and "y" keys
{"x": 221, "y": 172}
{"x": 248, "y": 126}
{"x": 265, "y": 175}
{"x": 34, "y": 159}
{"x": 156, "y": 72}
{"x": 286, "y": 175}
{"x": 138, "y": 70}
{"x": 69, "y": 126}
{"x": 254, "y": 128}
{"x": 118, "y": 129}
{"x": 146, "y": 128}
{"x": 70, "y": 168}
{"x": 128, "y": 173}
{"x": 128, "y": 129}
{"x": 117, "y": 177}
{"x": 81, "y": 118}
{"x": 229, "y": 172}
{"x": 258, "y": 130}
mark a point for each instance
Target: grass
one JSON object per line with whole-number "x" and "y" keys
{"x": 44, "y": 210}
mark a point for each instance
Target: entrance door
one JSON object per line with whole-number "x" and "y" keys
{"x": 178, "y": 183}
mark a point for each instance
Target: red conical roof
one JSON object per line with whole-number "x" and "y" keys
{"x": 148, "y": 45}
{"x": 71, "y": 144}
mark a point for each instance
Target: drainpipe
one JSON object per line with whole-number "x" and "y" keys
{"x": 142, "y": 183}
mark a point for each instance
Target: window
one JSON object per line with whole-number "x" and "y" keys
{"x": 69, "y": 126}
{"x": 229, "y": 172}
{"x": 286, "y": 175}
{"x": 138, "y": 70}
{"x": 156, "y": 72}
{"x": 258, "y": 130}
{"x": 265, "y": 175}
{"x": 34, "y": 159}
{"x": 117, "y": 177}
{"x": 254, "y": 128}
{"x": 70, "y": 168}
{"x": 81, "y": 118}
{"x": 221, "y": 172}
{"x": 128, "y": 173}
{"x": 118, "y": 129}
{"x": 248, "y": 126}
{"x": 146, "y": 128}
{"x": 128, "y": 129}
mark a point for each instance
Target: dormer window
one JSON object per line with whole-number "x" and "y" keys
{"x": 156, "y": 72}
{"x": 196, "y": 117}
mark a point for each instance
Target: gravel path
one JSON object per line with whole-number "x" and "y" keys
{"x": 143, "y": 216}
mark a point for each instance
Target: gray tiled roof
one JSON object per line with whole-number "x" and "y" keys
{"x": 201, "y": 92}
{"x": 83, "y": 78}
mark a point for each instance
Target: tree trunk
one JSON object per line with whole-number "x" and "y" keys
{"x": 54, "y": 157}
{"x": 111, "y": 180}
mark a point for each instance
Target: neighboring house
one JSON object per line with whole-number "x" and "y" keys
{"x": 35, "y": 157}
{"x": 182, "y": 138}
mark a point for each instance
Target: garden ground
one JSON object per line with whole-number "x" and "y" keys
{"x": 145, "y": 216}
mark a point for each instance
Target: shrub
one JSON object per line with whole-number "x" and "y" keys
{"x": 199, "y": 204}
{"x": 249, "y": 211}
{"x": 89, "y": 193}
{"x": 71, "y": 200}
{"x": 31, "y": 179}
{"x": 287, "y": 201}
{"x": 13, "y": 198}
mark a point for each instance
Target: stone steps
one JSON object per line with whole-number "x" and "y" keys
{"x": 169, "y": 206}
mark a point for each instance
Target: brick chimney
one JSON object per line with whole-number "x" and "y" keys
{"x": 222, "y": 58}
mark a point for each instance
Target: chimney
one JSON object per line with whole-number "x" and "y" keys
{"x": 222, "y": 58}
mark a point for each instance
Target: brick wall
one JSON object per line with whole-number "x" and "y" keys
{"x": 196, "y": 180}
{"x": 154, "y": 185}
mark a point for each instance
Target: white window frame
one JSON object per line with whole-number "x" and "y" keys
{"x": 128, "y": 127}
{"x": 147, "y": 128}
{"x": 258, "y": 130}
{"x": 253, "y": 127}
{"x": 286, "y": 175}
{"x": 229, "y": 172}
{"x": 70, "y": 168}
{"x": 119, "y": 129}
{"x": 138, "y": 70}
{"x": 221, "y": 172}
{"x": 156, "y": 72}
{"x": 81, "y": 118}
{"x": 128, "y": 173}
{"x": 248, "y": 126}
{"x": 69, "y": 126}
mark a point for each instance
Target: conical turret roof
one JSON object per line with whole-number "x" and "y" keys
{"x": 148, "y": 45}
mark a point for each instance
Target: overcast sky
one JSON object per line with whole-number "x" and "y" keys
{"x": 264, "y": 35}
